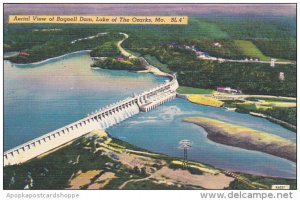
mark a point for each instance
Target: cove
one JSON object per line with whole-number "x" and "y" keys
{"x": 161, "y": 129}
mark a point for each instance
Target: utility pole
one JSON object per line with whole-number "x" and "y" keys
{"x": 185, "y": 145}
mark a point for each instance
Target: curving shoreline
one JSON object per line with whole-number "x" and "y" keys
{"x": 246, "y": 138}
{"x": 113, "y": 153}
{"x": 51, "y": 59}
{"x": 277, "y": 121}
{"x": 58, "y": 57}
{"x": 150, "y": 68}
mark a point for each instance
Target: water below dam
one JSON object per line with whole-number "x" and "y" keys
{"x": 42, "y": 97}
{"x": 161, "y": 129}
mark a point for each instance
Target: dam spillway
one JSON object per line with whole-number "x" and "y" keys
{"x": 100, "y": 119}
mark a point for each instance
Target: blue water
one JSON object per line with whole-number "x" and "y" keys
{"x": 42, "y": 97}
{"x": 161, "y": 129}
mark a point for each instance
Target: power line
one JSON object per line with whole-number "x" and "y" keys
{"x": 185, "y": 145}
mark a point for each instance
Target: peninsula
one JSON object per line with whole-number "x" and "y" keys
{"x": 247, "y": 138}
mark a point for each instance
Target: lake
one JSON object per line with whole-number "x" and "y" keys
{"x": 43, "y": 97}
{"x": 39, "y": 98}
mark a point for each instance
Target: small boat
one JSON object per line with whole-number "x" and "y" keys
{"x": 230, "y": 109}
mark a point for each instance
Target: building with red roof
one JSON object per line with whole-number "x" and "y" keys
{"x": 24, "y": 54}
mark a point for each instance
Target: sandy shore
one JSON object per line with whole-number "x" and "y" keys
{"x": 155, "y": 71}
{"x": 247, "y": 138}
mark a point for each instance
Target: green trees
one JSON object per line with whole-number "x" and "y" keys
{"x": 42, "y": 44}
{"x": 6, "y": 47}
{"x": 133, "y": 64}
{"x": 275, "y": 38}
{"x": 228, "y": 48}
{"x": 108, "y": 49}
{"x": 285, "y": 114}
{"x": 278, "y": 48}
{"x": 251, "y": 78}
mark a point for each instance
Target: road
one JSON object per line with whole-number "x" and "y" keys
{"x": 149, "y": 68}
{"x": 244, "y": 61}
{"x": 221, "y": 96}
{"x": 123, "y": 51}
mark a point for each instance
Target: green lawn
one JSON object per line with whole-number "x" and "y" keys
{"x": 156, "y": 63}
{"x": 192, "y": 90}
{"x": 249, "y": 49}
{"x": 198, "y": 27}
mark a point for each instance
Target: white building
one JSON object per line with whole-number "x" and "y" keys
{"x": 281, "y": 76}
{"x": 272, "y": 63}
{"x": 217, "y": 44}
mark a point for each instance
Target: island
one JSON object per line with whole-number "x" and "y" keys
{"x": 244, "y": 137}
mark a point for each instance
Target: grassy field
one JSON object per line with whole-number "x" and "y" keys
{"x": 262, "y": 105}
{"x": 252, "y": 106}
{"x": 133, "y": 53}
{"x": 249, "y": 49}
{"x": 203, "y": 100}
{"x": 200, "y": 168}
{"x": 281, "y": 104}
{"x": 271, "y": 99}
{"x": 192, "y": 90}
{"x": 198, "y": 27}
{"x": 156, "y": 63}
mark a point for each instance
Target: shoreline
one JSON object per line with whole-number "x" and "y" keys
{"x": 49, "y": 59}
{"x": 148, "y": 68}
{"x": 115, "y": 152}
{"x": 276, "y": 121}
{"x": 110, "y": 152}
{"x": 284, "y": 124}
{"x": 246, "y": 138}
{"x": 58, "y": 57}
{"x": 155, "y": 71}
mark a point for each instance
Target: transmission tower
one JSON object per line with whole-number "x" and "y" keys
{"x": 185, "y": 145}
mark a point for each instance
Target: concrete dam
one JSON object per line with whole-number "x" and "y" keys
{"x": 100, "y": 119}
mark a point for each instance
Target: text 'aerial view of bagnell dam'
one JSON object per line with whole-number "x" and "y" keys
{"x": 149, "y": 96}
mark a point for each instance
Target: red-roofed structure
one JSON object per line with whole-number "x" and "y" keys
{"x": 120, "y": 58}
{"x": 24, "y": 54}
